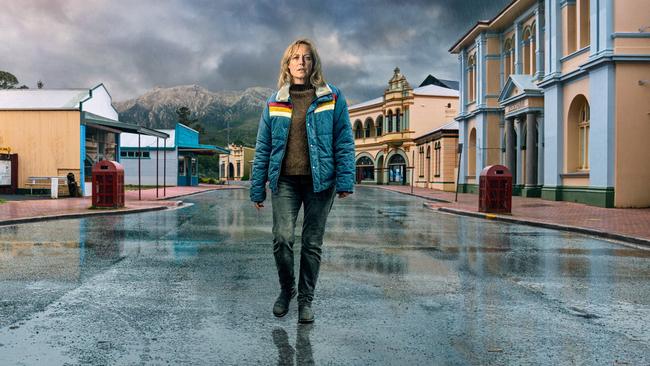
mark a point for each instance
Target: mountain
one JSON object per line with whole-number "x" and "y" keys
{"x": 157, "y": 109}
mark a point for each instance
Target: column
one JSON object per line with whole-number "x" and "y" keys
{"x": 511, "y": 147}
{"x": 531, "y": 151}
{"x": 539, "y": 43}
{"x": 463, "y": 84}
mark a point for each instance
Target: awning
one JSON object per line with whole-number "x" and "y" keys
{"x": 93, "y": 120}
{"x": 202, "y": 149}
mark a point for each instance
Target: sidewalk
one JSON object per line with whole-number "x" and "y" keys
{"x": 21, "y": 211}
{"x": 629, "y": 225}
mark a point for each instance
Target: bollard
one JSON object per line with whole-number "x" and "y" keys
{"x": 54, "y": 187}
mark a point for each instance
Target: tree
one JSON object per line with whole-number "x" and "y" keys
{"x": 7, "y": 80}
{"x": 185, "y": 118}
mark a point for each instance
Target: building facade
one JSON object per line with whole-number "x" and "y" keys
{"x": 60, "y": 131}
{"x": 238, "y": 164}
{"x": 385, "y": 128}
{"x": 436, "y": 158}
{"x": 557, "y": 91}
{"x": 171, "y": 161}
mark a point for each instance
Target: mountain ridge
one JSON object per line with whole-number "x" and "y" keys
{"x": 156, "y": 108}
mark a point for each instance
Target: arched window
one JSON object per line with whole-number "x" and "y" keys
{"x": 471, "y": 79}
{"x": 365, "y": 169}
{"x": 533, "y": 46}
{"x": 508, "y": 59}
{"x": 369, "y": 127}
{"x": 358, "y": 130}
{"x": 429, "y": 163}
{"x": 397, "y": 169}
{"x": 398, "y": 121}
{"x": 526, "y": 51}
{"x": 577, "y": 135}
{"x": 471, "y": 154}
{"x": 389, "y": 117}
{"x": 379, "y": 123}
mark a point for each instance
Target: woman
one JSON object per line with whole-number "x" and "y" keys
{"x": 305, "y": 151}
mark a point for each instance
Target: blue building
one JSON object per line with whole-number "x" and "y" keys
{"x": 172, "y": 161}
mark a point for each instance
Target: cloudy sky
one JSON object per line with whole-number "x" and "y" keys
{"x": 133, "y": 46}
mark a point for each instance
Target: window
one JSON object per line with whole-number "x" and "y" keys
{"x": 370, "y": 127}
{"x": 389, "y": 116}
{"x": 471, "y": 154}
{"x": 397, "y": 169}
{"x": 379, "y": 123}
{"x": 145, "y": 155}
{"x": 429, "y": 163}
{"x": 398, "y": 121}
{"x": 577, "y": 32}
{"x": 577, "y": 135}
{"x": 365, "y": 169}
{"x": 436, "y": 148}
{"x": 358, "y": 130}
{"x": 195, "y": 164}
{"x": 508, "y": 59}
{"x": 471, "y": 79}
{"x": 238, "y": 169}
{"x": 123, "y": 154}
{"x": 583, "y": 21}
{"x": 583, "y": 126}
{"x": 181, "y": 167}
{"x": 421, "y": 156}
{"x": 526, "y": 51}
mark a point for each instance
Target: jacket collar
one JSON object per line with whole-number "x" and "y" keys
{"x": 283, "y": 93}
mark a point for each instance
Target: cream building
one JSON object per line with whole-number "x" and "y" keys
{"x": 236, "y": 165}
{"x": 558, "y": 91}
{"x": 385, "y": 128}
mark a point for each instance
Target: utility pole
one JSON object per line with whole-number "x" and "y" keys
{"x": 227, "y": 170}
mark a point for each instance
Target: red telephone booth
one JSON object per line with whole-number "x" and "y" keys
{"x": 108, "y": 184}
{"x": 495, "y": 190}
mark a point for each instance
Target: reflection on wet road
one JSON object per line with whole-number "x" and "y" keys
{"x": 399, "y": 285}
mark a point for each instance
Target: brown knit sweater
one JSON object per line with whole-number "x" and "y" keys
{"x": 296, "y": 156}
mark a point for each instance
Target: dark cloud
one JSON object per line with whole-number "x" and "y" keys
{"x": 134, "y": 46}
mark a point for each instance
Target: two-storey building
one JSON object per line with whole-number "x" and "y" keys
{"x": 558, "y": 91}
{"x": 385, "y": 128}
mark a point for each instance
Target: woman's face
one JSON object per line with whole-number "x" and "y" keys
{"x": 300, "y": 64}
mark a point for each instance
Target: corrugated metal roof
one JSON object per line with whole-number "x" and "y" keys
{"x": 427, "y": 90}
{"x": 453, "y": 125}
{"x": 436, "y": 91}
{"x": 27, "y": 99}
{"x": 368, "y": 103}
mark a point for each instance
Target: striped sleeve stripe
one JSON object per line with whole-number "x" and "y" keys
{"x": 327, "y": 106}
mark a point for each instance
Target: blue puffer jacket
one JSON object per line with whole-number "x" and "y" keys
{"x": 329, "y": 134}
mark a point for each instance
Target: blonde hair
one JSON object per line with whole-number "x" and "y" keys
{"x": 316, "y": 78}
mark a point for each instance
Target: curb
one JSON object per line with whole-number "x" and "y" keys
{"x": 411, "y": 194}
{"x": 581, "y": 230}
{"x": 200, "y": 192}
{"x": 25, "y": 220}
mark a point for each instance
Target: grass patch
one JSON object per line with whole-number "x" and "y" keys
{"x": 2, "y": 201}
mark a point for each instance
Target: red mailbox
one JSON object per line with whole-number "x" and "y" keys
{"x": 108, "y": 184}
{"x": 495, "y": 190}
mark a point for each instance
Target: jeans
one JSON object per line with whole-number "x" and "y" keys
{"x": 293, "y": 192}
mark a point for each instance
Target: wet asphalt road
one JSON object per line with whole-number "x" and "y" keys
{"x": 399, "y": 285}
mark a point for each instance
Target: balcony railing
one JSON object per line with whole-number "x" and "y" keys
{"x": 387, "y": 138}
